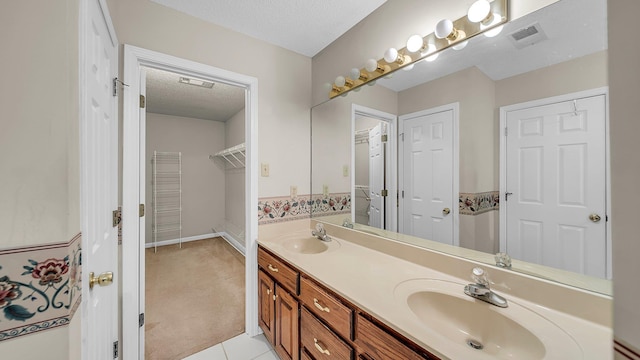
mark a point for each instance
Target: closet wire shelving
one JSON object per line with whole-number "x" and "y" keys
{"x": 167, "y": 195}
{"x": 232, "y": 158}
{"x": 235, "y": 156}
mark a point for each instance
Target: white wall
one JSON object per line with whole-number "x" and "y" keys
{"x": 283, "y": 80}
{"x": 39, "y": 142}
{"x": 235, "y": 180}
{"x": 203, "y": 181}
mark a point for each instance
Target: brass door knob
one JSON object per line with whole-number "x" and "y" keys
{"x": 594, "y": 217}
{"x": 104, "y": 279}
{"x": 446, "y": 211}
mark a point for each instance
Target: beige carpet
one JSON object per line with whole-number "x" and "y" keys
{"x": 194, "y": 297}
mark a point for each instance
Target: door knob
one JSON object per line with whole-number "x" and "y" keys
{"x": 446, "y": 211}
{"x": 104, "y": 279}
{"x": 594, "y": 217}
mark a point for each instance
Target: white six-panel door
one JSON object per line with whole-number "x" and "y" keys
{"x": 376, "y": 177}
{"x": 99, "y": 179}
{"x": 428, "y": 175}
{"x": 556, "y": 185}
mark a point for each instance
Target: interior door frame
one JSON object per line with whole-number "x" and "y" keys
{"x": 391, "y": 178}
{"x": 503, "y": 159}
{"x": 455, "y": 108}
{"x": 133, "y": 190}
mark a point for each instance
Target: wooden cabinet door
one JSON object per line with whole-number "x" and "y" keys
{"x": 266, "y": 310}
{"x": 377, "y": 344}
{"x": 287, "y": 334}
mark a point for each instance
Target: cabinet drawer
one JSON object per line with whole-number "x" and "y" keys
{"x": 320, "y": 341}
{"x": 283, "y": 274}
{"x": 326, "y": 307}
{"x": 379, "y": 345}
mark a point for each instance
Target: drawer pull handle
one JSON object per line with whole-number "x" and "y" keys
{"x": 274, "y": 269}
{"x": 317, "y": 344}
{"x": 322, "y": 308}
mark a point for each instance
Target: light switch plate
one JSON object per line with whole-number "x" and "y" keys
{"x": 264, "y": 170}
{"x": 294, "y": 191}
{"x": 325, "y": 190}
{"x": 345, "y": 170}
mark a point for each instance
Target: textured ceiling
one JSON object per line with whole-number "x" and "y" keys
{"x": 574, "y": 28}
{"x": 305, "y": 27}
{"x": 165, "y": 95}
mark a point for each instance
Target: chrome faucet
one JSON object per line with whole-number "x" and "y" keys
{"x": 320, "y": 233}
{"x": 481, "y": 289}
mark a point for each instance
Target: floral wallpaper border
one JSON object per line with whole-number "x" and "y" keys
{"x": 285, "y": 208}
{"x": 40, "y": 287}
{"x": 479, "y": 203}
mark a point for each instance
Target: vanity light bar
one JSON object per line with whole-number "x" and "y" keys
{"x": 462, "y": 26}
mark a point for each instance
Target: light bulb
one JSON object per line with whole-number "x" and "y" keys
{"x": 495, "y": 19}
{"x": 408, "y": 67}
{"x": 391, "y": 55}
{"x": 479, "y": 11}
{"x": 340, "y": 81}
{"x": 415, "y": 43}
{"x": 460, "y": 45}
{"x": 431, "y": 48}
{"x": 371, "y": 65}
{"x": 355, "y": 74}
{"x": 444, "y": 28}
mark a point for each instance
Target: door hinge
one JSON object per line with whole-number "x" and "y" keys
{"x": 117, "y": 217}
{"x": 403, "y": 194}
{"x": 506, "y": 131}
{"x": 384, "y": 192}
{"x": 115, "y": 86}
{"x": 141, "y": 210}
{"x": 140, "y": 320}
{"x": 143, "y": 101}
{"x": 401, "y": 135}
{"x": 115, "y": 349}
{"x": 384, "y": 138}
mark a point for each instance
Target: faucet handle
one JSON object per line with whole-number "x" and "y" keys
{"x": 479, "y": 276}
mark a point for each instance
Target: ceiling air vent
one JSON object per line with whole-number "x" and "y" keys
{"x": 527, "y": 36}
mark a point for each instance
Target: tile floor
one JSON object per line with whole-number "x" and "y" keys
{"x": 241, "y": 347}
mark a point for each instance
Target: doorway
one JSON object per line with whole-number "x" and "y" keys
{"x": 374, "y": 180}
{"x": 429, "y": 174}
{"x": 554, "y": 182}
{"x": 134, "y": 176}
{"x": 194, "y": 150}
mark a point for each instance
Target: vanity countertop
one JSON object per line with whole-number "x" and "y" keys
{"x": 370, "y": 279}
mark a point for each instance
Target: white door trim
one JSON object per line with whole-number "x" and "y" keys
{"x": 455, "y": 108}
{"x": 503, "y": 165}
{"x": 132, "y": 247}
{"x": 391, "y": 207}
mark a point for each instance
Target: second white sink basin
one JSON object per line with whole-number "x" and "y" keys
{"x": 474, "y": 329}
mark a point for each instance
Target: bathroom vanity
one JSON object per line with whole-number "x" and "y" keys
{"x": 360, "y": 296}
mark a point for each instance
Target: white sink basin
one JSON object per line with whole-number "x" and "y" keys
{"x": 474, "y": 329}
{"x": 309, "y": 245}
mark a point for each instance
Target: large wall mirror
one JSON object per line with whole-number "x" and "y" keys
{"x": 501, "y": 146}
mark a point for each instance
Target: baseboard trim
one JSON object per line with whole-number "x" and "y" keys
{"x": 233, "y": 242}
{"x": 184, "y": 239}
{"x": 228, "y": 238}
